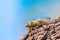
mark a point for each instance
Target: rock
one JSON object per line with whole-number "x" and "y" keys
{"x": 50, "y": 31}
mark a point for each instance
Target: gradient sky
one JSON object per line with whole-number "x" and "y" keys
{"x": 15, "y": 13}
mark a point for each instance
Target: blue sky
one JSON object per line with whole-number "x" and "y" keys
{"x": 14, "y": 14}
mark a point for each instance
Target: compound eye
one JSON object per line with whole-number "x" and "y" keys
{"x": 29, "y": 24}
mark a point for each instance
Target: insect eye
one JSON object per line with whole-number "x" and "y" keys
{"x": 27, "y": 25}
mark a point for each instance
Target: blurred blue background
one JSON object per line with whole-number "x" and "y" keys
{"x": 15, "y": 13}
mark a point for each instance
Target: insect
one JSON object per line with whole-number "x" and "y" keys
{"x": 37, "y": 22}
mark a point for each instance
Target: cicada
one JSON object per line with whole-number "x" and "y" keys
{"x": 37, "y": 22}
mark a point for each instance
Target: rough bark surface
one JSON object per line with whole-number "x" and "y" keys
{"x": 50, "y": 31}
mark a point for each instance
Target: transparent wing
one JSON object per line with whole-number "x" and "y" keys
{"x": 45, "y": 18}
